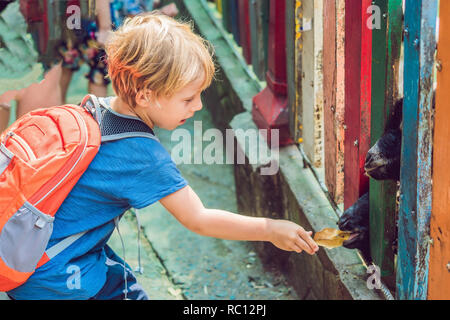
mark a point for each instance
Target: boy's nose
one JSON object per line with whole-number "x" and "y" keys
{"x": 198, "y": 107}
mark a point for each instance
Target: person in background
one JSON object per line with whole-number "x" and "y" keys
{"x": 87, "y": 46}
{"x": 34, "y": 81}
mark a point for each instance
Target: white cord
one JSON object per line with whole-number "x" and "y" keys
{"x": 139, "y": 269}
{"x": 116, "y": 221}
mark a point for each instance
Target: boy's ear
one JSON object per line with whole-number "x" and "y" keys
{"x": 144, "y": 97}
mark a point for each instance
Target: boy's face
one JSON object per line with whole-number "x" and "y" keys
{"x": 174, "y": 110}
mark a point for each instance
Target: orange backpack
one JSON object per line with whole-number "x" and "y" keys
{"x": 42, "y": 156}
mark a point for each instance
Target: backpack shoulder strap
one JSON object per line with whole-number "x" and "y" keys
{"x": 113, "y": 125}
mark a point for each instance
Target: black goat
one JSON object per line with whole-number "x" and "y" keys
{"x": 356, "y": 220}
{"x": 382, "y": 163}
{"x": 383, "y": 159}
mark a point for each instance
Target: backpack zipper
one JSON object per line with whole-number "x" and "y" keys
{"x": 23, "y": 144}
{"x": 53, "y": 183}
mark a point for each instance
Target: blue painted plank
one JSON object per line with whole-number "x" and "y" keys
{"x": 235, "y": 21}
{"x": 425, "y": 146}
{"x": 415, "y": 198}
{"x": 408, "y": 173}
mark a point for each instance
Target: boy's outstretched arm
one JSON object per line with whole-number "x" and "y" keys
{"x": 188, "y": 209}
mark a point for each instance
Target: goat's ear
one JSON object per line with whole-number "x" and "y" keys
{"x": 396, "y": 116}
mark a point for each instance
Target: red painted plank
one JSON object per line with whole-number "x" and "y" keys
{"x": 352, "y": 99}
{"x": 358, "y": 60}
{"x": 366, "y": 94}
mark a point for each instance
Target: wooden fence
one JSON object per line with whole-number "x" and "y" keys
{"x": 332, "y": 90}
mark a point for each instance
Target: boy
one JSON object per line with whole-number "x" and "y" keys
{"x": 158, "y": 68}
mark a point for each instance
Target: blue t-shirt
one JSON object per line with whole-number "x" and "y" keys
{"x": 132, "y": 172}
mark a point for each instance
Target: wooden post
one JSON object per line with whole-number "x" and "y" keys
{"x": 340, "y": 99}
{"x": 270, "y": 105}
{"x": 333, "y": 40}
{"x": 329, "y": 96}
{"x": 358, "y": 44}
{"x": 439, "y": 272}
{"x": 219, "y": 6}
{"x": 415, "y": 173}
{"x": 226, "y": 15}
{"x": 244, "y": 30}
{"x": 234, "y": 11}
{"x": 293, "y": 35}
{"x": 385, "y": 72}
{"x": 312, "y": 80}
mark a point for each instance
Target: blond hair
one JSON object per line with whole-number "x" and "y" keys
{"x": 153, "y": 51}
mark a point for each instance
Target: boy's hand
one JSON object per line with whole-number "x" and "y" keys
{"x": 289, "y": 236}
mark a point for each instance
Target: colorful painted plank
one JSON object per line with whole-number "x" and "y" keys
{"x": 333, "y": 38}
{"x": 259, "y": 26}
{"x": 270, "y": 109}
{"x": 293, "y": 69}
{"x": 244, "y": 23}
{"x": 340, "y": 99}
{"x": 312, "y": 80}
{"x": 387, "y": 40}
{"x": 415, "y": 174}
{"x": 355, "y": 184}
{"x": 318, "y": 84}
{"x": 219, "y": 6}
{"x": 439, "y": 268}
{"x": 329, "y": 96}
{"x": 226, "y": 15}
{"x": 234, "y": 12}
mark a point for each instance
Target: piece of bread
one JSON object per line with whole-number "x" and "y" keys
{"x": 331, "y": 238}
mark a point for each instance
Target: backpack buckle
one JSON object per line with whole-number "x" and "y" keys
{"x": 7, "y": 136}
{"x": 90, "y": 104}
{"x": 40, "y": 223}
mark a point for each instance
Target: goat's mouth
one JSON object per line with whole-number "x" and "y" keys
{"x": 367, "y": 173}
{"x": 370, "y": 168}
{"x": 354, "y": 236}
{"x": 374, "y": 172}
